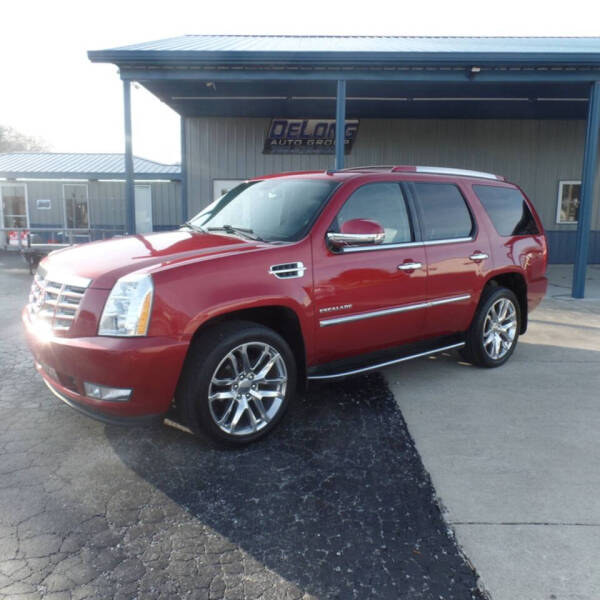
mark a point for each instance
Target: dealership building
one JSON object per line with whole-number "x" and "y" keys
{"x": 525, "y": 108}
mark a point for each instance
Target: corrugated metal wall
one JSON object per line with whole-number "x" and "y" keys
{"x": 106, "y": 203}
{"x": 535, "y": 154}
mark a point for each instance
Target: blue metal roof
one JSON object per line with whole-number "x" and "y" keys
{"x": 275, "y": 43}
{"x": 334, "y": 48}
{"x": 89, "y": 166}
{"x": 392, "y": 77}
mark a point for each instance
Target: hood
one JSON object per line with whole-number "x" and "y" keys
{"x": 104, "y": 262}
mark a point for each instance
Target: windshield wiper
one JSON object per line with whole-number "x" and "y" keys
{"x": 244, "y": 232}
{"x": 194, "y": 227}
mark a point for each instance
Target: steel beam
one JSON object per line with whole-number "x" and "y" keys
{"x": 588, "y": 180}
{"x": 340, "y": 123}
{"x": 184, "y": 204}
{"x": 445, "y": 75}
{"x": 129, "y": 174}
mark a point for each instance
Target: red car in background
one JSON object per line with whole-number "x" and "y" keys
{"x": 287, "y": 278}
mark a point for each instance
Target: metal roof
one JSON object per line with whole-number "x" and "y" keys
{"x": 387, "y": 77}
{"x": 89, "y": 166}
{"x": 207, "y": 47}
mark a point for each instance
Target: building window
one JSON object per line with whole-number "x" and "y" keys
{"x": 568, "y": 201}
{"x": 76, "y": 205}
{"x": 14, "y": 206}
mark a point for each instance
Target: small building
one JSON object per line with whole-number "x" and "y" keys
{"x": 50, "y": 193}
{"x": 526, "y": 108}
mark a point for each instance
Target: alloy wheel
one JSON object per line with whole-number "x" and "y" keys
{"x": 499, "y": 328}
{"x": 247, "y": 388}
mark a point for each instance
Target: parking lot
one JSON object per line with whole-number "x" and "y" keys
{"x": 514, "y": 453}
{"x": 335, "y": 504}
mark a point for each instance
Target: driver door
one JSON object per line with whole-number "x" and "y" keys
{"x": 370, "y": 297}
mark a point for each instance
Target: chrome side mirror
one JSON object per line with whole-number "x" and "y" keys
{"x": 357, "y": 232}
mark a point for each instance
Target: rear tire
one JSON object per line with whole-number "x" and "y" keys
{"x": 494, "y": 332}
{"x": 238, "y": 381}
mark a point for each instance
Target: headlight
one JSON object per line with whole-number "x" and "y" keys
{"x": 127, "y": 310}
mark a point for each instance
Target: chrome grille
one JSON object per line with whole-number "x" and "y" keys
{"x": 56, "y": 299}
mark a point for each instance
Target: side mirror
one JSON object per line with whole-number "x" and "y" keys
{"x": 357, "y": 232}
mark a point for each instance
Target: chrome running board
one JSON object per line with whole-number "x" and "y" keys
{"x": 387, "y": 363}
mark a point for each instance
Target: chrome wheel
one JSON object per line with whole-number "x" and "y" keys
{"x": 247, "y": 388}
{"x": 500, "y": 328}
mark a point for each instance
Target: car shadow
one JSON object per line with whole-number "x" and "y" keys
{"x": 335, "y": 501}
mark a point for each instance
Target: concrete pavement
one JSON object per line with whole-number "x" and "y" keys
{"x": 514, "y": 452}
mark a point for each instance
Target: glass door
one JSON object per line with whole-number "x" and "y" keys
{"x": 76, "y": 205}
{"x": 14, "y": 206}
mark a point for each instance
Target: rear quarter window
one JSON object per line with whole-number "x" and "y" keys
{"x": 507, "y": 209}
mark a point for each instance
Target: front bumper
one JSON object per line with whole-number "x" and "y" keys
{"x": 150, "y": 366}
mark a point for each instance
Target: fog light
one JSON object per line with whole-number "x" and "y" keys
{"x": 103, "y": 392}
{"x": 50, "y": 371}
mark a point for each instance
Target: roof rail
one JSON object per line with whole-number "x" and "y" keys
{"x": 423, "y": 169}
{"x": 446, "y": 171}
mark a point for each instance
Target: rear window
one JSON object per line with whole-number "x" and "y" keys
{"x": 507, "y": 210}
{"x": 444, "y": 212}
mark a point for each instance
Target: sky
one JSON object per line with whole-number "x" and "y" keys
{"x": 49, "y": 89}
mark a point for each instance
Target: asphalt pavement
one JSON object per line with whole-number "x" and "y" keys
{"x": 335, "y": 504}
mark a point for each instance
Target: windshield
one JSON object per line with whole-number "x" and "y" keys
{"x": 270, "y": 210}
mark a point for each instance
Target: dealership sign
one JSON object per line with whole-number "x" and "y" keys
{"x": 307, "y": 136}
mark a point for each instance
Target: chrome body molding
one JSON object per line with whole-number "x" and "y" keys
{"x": 404, "y": 245}
{"x": 387, "y": 363}
{"x": 291, "y": 270}
{"x": 392, "y": 310}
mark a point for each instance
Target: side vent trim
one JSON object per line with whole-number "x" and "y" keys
{"x": 288, "y": 270}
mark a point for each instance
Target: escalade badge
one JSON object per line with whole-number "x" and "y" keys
{"x": 334, "y": 308}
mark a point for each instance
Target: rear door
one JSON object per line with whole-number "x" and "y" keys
{"x": 366, "y": 298}
{"x": 457, "y": 254}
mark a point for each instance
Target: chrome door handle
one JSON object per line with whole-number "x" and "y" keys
{"x": 409, "y": 266}
{"x": 479, "y": 256}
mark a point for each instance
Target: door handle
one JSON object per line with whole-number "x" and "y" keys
{"x": 477, "y": 256}
{"x": 409, "y": 266}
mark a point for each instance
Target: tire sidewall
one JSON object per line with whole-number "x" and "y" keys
{"x": 202, "y": 367}
{"x": 475, "y": 335}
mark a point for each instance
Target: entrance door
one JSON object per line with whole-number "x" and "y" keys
{"x": 13, "y": 209}
{"x": 143, "y": 209}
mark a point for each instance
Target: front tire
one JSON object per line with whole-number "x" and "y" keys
{"x": 237, "y": 383}
{"x": 494, "y": 332}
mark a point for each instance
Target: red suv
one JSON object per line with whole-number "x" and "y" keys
{"x": 287, "y": 278}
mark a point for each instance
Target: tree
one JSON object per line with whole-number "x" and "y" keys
{"x": 12, "y": 140}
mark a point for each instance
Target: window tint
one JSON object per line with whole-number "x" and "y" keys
{"x": 507, "y": 209}
{"x": 443, "y": 211}
{"x": 381, "y": 202}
